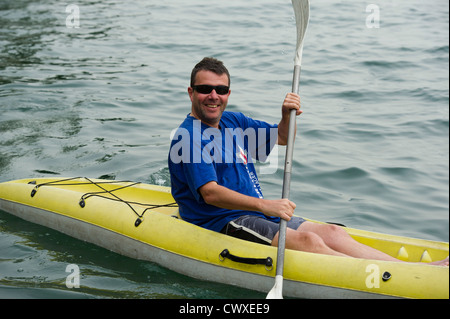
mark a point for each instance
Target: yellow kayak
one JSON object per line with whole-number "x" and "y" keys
{"x": 141, "y": 221}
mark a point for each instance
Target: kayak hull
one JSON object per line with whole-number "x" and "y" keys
{"x": 139, "y": 221}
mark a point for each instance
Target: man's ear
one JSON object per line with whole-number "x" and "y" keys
{"x": 191, "y": 93}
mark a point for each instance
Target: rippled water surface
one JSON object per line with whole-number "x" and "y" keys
{"x": 101, "y": 100}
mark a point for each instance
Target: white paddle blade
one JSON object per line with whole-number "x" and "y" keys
{"x": 277, "y": 291}
{"x": 301, "y": 9}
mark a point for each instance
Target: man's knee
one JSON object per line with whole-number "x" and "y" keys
{"x": 332, "y": 233}
{"x": 307, "y": 241}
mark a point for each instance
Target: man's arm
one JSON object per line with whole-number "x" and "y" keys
{"x": 216, "y": 195}
{"x": 291, "y": 102}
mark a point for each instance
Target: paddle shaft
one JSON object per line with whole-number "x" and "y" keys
{"x": 287, "y": 173}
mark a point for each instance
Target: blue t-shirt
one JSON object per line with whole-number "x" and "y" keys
{"x": 200, "y": 154}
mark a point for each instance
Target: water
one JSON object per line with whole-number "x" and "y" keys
{"x": 100, "y": 101}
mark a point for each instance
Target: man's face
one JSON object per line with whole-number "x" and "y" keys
{"x": 208, "y": 108}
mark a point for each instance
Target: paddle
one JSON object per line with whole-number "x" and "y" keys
{"x": 301, "y": 9}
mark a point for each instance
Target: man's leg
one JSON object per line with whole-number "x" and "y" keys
{"x": 333, "y": 240}
{"x": 306, "y": 241}
{"x": 329, "y": 240}
{"x": 339, "y": 240}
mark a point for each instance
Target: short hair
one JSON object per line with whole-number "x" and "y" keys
{"x": 210, "y": 64}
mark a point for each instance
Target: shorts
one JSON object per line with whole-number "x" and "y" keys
{"x": 257, "y": 229}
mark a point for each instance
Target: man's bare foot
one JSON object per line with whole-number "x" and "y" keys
{"x": 441, "y": 262}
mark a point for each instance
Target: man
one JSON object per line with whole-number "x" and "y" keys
{"x": 214, "y": 179}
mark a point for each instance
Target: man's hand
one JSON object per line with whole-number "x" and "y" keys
{"x": 214, "y": 194}
{"x": 283, "y": 208}
{"x": 291, "y": 102}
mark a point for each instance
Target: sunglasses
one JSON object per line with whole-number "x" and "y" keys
{"x": 207, "y": 89}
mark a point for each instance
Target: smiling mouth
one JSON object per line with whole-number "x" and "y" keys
{"x": 212, "y": 106}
